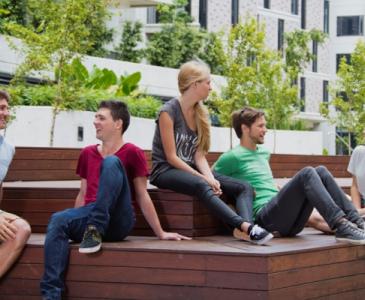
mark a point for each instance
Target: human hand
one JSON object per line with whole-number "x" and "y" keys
{"x": 7, "y": 229}
{"x": 215, "y": 184}
{"x": 173, "y": 236}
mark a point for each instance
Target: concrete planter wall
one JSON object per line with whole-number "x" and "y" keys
{"x": 32, "y": 125}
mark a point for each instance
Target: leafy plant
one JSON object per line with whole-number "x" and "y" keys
{"x": 348, "y": 96}
{"x": 131, "y": 37}
{"x": 12, "y": 11}
{"x": 179, "y": 41}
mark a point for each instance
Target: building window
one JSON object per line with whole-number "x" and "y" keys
{"x": 235, "y": 12}
{"x": 315, "y": 56}
{"x": 303, "y": 14}
{"x": 350, "y": 25}
{"x": 325, "y": 91}
{"x": 347, "y": 56}
{"x": 152, "y": 15}
{"x": 267, "y": 4}
{"x": 294, "y": 7}
{"x": 203, "y": 13}
{"x": 302, "y": 94}
{"x": 326, "y": 17}
{"x": 280, "y": 35}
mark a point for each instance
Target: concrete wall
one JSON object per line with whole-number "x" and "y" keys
{"x": 32, "y": 124}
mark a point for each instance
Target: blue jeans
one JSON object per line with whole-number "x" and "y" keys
{"x": 288, "y": 212}
{"x": 237, "y": 191}
{"x": 112, "y": 213}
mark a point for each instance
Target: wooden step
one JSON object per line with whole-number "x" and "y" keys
{"x": 311, "y": 265}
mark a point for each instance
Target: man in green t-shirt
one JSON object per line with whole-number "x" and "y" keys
{"x": 286, "y": 212}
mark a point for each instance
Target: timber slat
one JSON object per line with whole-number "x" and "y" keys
{"x": 205, "y": 268}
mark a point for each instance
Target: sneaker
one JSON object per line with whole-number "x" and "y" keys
{"x": 91, "y": 242}
{"x": 361, "y": 224}
{"x": 257, "y": 236}
{"x": 349, "y": 232}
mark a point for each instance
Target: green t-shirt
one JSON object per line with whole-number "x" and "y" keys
{"x": 253, "y": 167}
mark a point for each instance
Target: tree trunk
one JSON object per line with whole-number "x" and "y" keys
{"x": 53, "y": 124}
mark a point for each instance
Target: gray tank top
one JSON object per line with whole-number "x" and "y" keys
{"x": 185, "y": 140}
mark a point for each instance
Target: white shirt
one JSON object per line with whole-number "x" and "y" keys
{"x": 357, "y": 168}
{"x": 6, "y": 155}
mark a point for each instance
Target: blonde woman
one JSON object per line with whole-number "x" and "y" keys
{"x": 181, "y": 140}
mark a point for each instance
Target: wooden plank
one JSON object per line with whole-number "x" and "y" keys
{"x": 316, "y": 273}
{"x": 320, "y": 288}
{"x": 315, "y": 258}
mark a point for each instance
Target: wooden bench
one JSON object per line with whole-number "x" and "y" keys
{"x": 309, "y": 266}
{"x": 41, "y": 181}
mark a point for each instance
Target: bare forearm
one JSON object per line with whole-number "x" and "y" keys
{"x": 178, "y": 163}
{"x": 150, "y": 214}
{"x": 355, "y": 197}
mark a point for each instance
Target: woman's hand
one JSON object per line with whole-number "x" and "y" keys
{"x": 214, "y": 183}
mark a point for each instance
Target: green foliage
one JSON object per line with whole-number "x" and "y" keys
{"x": 297, "y": 53}
{"x": 75, "y": 74}
{"x": 11, "y": 11}
{"x": 86, "y": 99}
{"x": 178, "y": 41}
{"x": 174, "y": 12}
{"x": 63, "y": 29}
{"x": 175, "y": 44}
{"x": 143, "y": 106}
{"x": 131, "y": 36}
{"x": 348, "y": 95}
{"x": 212, "y": 52}
{"x": 255, "y": 77}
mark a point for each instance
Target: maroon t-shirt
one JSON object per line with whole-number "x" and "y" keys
{"x": 88, "y": 167}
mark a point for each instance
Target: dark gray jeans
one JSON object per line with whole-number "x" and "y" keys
{"x": 235, "y": 190}
{"x": 289, "y": 211}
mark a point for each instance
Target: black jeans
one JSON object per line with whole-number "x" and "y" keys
{"x": 288, "y": 212}
{"x": 240, "y": 192}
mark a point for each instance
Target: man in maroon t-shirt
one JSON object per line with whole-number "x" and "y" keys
{"x": 112, "y": 173}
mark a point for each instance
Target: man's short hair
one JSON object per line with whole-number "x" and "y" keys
{"x": 118, "y": 110}
{"x": 4, "y": 96}
{"x": 246, "y": 116}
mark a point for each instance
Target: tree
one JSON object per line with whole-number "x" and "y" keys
{"x": 179, "y": 41}
{"x": 258, "y": 76}
{"x": 131, "y": 36}
{"x": 11, "y": 11}
{"x": 297, "y": 52}
{"x": 348, "y": 95}
{"x": 63, "y": 32}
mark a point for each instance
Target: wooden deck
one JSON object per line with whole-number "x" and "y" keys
{"x": 309, "y": 266}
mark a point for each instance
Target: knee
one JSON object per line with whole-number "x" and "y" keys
{"x": 112, "y": 165}
{"x": 57, "y": 220}
{"x": 23, "y": 232}
{"x": 244, "y": 187}
{"x": 111, "y": 161}
{"x": 322, "y": 170}
{"x": 307, "y": 171}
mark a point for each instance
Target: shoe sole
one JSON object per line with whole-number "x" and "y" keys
{"x": 354, "y": 242}
{"x": 240, "y": 235}
{"x": 90, "y": 250}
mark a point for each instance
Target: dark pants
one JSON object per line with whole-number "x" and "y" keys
{"x": 289, "y": 211}
{"x": 112, "y": 214}
{"x": 238, "y": 191}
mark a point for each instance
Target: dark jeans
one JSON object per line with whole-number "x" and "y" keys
{"x": 288, "y": 212}
{"x": 112, "y": 214}
{"x": 237, "y": 190}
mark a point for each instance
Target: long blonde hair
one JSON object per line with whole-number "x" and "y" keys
{"x": 191, "y": 72}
